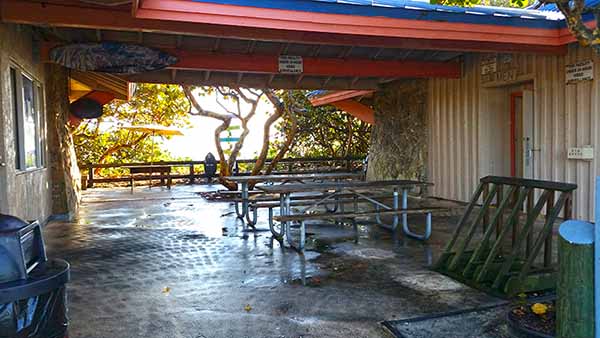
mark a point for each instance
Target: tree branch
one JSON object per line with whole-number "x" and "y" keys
{"x": 201, "y": 111}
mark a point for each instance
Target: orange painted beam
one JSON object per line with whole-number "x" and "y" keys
{"x": 356, "y": 109}
{"x": 246, "y": 16}
{"x": 269, "y": 64}
{"x": 338, "y": 96}
{"x": 68, "y": 15}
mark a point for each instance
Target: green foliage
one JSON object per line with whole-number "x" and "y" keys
{"x": 323, "y": 131}
{"x": 104, "y": 140}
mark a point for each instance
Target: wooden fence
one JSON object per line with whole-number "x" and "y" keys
{"x": 194, "y": 170}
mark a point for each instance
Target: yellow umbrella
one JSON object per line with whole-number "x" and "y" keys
{"x": 154, "y": 129}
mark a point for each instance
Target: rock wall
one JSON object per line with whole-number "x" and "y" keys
{"x": 399, "y": 137}
{"x": 65, "y": 175}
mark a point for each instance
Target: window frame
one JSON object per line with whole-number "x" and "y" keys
{"x": 17, "y": 74}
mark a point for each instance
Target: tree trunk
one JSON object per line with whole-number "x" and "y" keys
{"x": 348, "y": 146}
{"x": 286, "y": 146}
{"x": 575, "y": 289}
{"x": 264, "y": 152}
{"x": 224, "y": 165}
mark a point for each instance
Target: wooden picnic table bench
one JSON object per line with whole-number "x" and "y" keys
{"x": 163, "y": 170}
{"x": 361, "y": 191}
{"x": 286, "y": 178}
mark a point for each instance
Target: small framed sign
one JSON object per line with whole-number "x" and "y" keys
{"x": 290, "y": 64}
{"x": 581, "y": 153}
{"x": 580, "y": 71}
{"x": 489, "y": 64}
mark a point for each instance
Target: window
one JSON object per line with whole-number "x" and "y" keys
{"x": 29, "y": 129}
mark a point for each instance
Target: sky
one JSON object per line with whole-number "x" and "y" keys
{"x": 198, "y": 140}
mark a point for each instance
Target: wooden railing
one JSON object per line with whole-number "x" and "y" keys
{"x": 514, "y": 252}
{"x": 194, "y": 170}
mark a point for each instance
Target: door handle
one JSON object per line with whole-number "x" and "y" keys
{"x": 2, "y": 164}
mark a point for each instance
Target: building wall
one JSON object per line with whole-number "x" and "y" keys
{"x": 468, "y": 131}
{"x": 54, "y": 189}
{"x": 26, "y": 194}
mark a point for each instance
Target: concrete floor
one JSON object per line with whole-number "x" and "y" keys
{"x": 162, "y": 263}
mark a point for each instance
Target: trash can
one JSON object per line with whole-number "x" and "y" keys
{"x": 210, "y": 166}
{"x": 32, "y": 288}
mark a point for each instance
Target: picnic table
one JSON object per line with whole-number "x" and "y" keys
{"x": 286, "y": 178}
{"x": 163, "y": 170}
{"x": 361, "y": 191}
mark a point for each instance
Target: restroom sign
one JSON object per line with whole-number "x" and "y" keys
{"x": 580, "y": 71}
{"x": 290, "y": 64}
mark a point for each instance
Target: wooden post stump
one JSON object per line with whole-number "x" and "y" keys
{"x": 575, "y": 289}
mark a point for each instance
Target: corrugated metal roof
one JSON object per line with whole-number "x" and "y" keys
{"x": 425, "y": 5}
{"x": 413, "y": 9}
{"x": 552, "y": 7}
{"x": 317, "y": 93}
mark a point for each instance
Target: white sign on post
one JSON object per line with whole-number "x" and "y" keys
{"x": 290, "y": 64}
{"x": 579, "y": 71}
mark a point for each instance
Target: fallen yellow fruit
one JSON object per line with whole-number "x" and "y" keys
{"x": 248, "y": 308}
{"x": 166, "y": 290}
{"x": 539, "y": 309}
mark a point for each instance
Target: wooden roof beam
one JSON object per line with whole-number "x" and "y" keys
{"x": 352, "y": 67}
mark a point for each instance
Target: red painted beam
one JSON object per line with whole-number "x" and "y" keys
{"x": 246, "y": 16}
{"x": 356, "y": 109}
{"x": 68, "y": 15}
{"x": 337, "y": 96}
{"x": 269, "y": 64}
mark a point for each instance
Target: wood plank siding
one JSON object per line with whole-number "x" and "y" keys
{"x": 469, "y": 126}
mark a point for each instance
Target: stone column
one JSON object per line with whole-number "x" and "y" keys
{"x": 399, "y": 138}
{"x": 62, "y": 160}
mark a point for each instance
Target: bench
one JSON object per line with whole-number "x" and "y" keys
{"x": 150, "y": 170}
{"x": 353, "y": 216}
{"x": 236, "y": 193}
{"x": 273, "y": 201}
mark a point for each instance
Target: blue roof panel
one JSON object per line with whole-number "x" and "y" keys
{"x": 413, "y": 9}
{"x": 552, "y": 7}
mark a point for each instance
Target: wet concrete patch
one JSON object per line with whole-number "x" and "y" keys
{"x": 483, "y": 322}
{"x": 125, "y": 254}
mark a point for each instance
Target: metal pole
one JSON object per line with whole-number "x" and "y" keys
{"x": 597, "y": 261}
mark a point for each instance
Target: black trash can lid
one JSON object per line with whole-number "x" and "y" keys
{"x": 46, "y": 277}
{"x": 11, "y": 224}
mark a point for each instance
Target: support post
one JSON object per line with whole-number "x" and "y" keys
{"x": 191, "y": 173}
{"x": 575, "y": 305}
{"x": 84, "y": 182}
{"x": 596, "y": 258}
{"x": 90, "y": 182}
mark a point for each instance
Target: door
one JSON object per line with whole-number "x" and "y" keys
{"x": 522, "y": 134}
{"x": 528, "y": 134}
{"x": 3, "y": 168}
